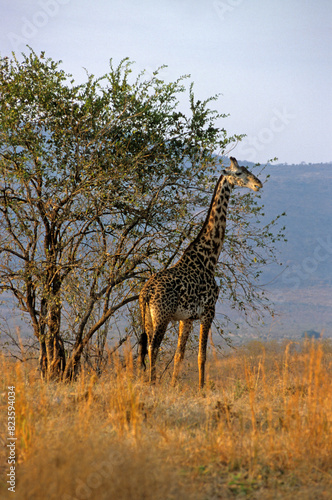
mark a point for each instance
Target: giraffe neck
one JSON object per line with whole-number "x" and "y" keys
{"x": 207, "y": 245}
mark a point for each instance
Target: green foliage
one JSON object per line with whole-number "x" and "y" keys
{"x": 100, "y": 185}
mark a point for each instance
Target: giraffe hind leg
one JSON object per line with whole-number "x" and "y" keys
{"x": 154, "y": 346}
{"x": 184, "y": 331}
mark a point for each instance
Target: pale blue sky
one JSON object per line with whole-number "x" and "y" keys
{"x": 271, "y": 59}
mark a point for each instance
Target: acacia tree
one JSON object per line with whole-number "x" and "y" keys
{"x": 100, "y": 185}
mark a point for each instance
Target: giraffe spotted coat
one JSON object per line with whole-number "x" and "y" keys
{"x": 188, "y": 291}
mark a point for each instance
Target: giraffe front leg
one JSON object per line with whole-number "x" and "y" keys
{"x": 184, "y": 330}
{"x": 203, "y": 338}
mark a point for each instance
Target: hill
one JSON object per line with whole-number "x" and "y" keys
{"x": 302, "y": 287}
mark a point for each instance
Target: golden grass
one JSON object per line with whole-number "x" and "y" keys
{"x": 262, "y": 428}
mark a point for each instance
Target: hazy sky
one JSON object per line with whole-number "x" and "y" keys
{"x": 270, "y": 59}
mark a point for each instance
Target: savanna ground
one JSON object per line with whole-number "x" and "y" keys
{"x": 262, "y": 428}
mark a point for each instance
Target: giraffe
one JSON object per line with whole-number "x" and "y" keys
{"x": 187, "y": 291}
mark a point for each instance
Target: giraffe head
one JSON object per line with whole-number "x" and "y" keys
{"x": 240, "y": 176}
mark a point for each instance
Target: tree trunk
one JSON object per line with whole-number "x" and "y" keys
{"x": 43, "y": 358}
{"x": 56, "y": 357}
{"x": 73, "y": 363}
{"x": 52, "y": 358}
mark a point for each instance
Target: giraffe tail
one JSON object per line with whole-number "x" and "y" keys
{"x": 143, "y": 342}
{"x": 143, "y": 348}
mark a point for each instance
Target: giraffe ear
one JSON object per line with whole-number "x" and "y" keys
{"x": 234, "y": 164}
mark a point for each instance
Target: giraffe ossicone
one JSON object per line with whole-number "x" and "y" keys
{"x": 187, "y": 291}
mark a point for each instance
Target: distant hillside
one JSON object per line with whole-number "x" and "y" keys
{"x": 302, "y": 287}
{"x": 304, "y": 192}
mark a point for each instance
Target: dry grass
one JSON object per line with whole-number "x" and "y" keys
{"x": 261, "y": 429}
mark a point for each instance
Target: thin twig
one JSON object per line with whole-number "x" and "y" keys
{"x": 167, "y": 366}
